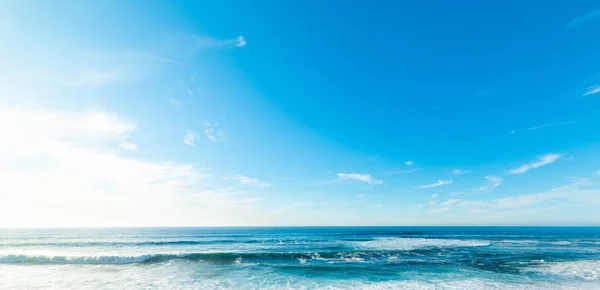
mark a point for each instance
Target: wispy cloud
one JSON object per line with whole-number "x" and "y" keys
{"x": 129, "y": 146}
{"x": 592, "y": 90}
{"x": 585, "y": 18}
{"x": 190, "y": 138}
{"x": 213, "y": 133}
{"x": 443, "y": 206}
{"x": 459, "y": 171}
{"x": 402, "y": 171}
{"x": 434, "y": 195}
{"x": 359, "y": 177}
{"x": 576, "y": 182}
{"x": 597, "y": 173}
{"x": 543, "y": 126}
{"x": 249, "y": 181}
{"x": 203, "y": 42}
{"x": 80, "y": 146}
{"x": 542, "y": 161}
{"x": 378, "y": 205}
{"x": 409, "y": 163}
{"x": 438, "y": 183}
{"x": 492, "y": 182}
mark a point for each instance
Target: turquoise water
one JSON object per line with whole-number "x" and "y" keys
{"x": 301, "y": 258}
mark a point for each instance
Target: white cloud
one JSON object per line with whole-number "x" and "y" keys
{"x": 360, "y": 177}
{"x": 592, "y": 90}
{"x": 249, "y": 181}
{"x": 450, "y": 202}
{"x": 434, "y": 195}
{"x": 438, "y": 183}
{"x": 128, "y": 146}
{"x": 543, "y": 126}
{"x": 582, "y": 19}
{"x": 378, "y": 205}
{"x": 542, "y": 160}
{"x": 522, "y": 200}
{"x": 190, "y": 138}
{"x": 459, "y": 171}
{"x": 207, "y": 42}
{"x": 93, "y": 124}
{"x": 64, "y": 161}
{"x": 597, "y": 173}
{"x": 575, "y": 182}
{"x": 493, "y": 182}
{"x": 409, "y": 163}
{"x": 402, "y": 171}
{"x": 213, "y": 133}
{"x": 240, "y": 41}
{"x": 443, "y": 206}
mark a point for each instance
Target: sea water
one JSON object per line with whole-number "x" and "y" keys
{"x": 301, "y": 258}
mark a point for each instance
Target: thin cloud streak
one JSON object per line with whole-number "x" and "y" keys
{"x": 359, "y": 177}
{"x": 592, "y": 90}
{"x": 493, "y": 182}
{"x": 543, "y": 126}
{"x": 543, "y": 160}
{"x": 581, "y": 19}
{"x": 438, "y": 183}
{"x": 249, "y": 181}
{"x": 402, "y": 171}
{"x": 459, "y": 171}
{"x": 190, "y": 138}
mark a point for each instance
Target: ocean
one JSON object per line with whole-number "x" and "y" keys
{"x": 301, "y": 258}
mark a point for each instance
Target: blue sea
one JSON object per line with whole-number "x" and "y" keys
{"x": 301, "y": 258}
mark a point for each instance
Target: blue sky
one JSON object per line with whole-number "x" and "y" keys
{"x": 151, "y": 113}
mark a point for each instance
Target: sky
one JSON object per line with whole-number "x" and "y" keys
{"x": 278, "y": 113}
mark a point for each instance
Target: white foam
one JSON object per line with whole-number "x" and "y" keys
{"x": 48, "y": 259}
{"x": 455, "y": 285}
{"x": 405, "y": 244}
{"x": 587, "y": 270}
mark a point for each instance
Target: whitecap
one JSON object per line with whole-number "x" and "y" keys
{"x": 406, "y": 244}
{"x": 587, "y": 270}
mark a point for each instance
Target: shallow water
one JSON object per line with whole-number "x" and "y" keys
{"x": 301, "y": 258}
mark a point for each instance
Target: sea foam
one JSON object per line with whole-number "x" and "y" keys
{"x": 407, "y": 244}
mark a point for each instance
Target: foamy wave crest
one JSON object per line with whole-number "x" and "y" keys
{"x": 407, "y": 244}
{"x": 586, "y": 270}
{"x": 211, "y": 257}
{"x": 44, "y": 259}
{"x": 458, "y": 284}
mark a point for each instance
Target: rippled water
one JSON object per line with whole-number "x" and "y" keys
{"x": 302, "y": 258}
